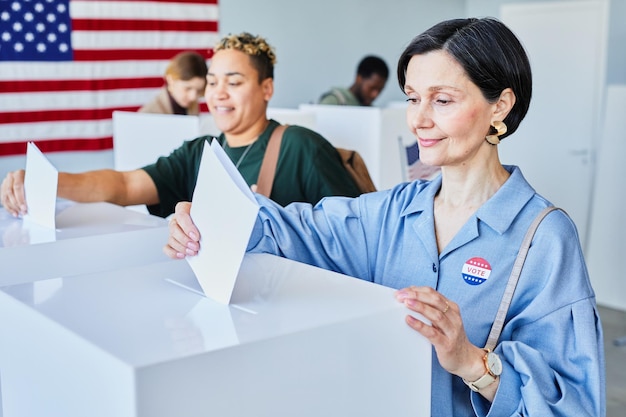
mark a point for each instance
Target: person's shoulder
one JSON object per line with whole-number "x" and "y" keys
{"x": 328, "y": 99}
{"x": 159, "y": 104}
{"x": 334, "y": 96}
{"x": 557, "y": 221}
{"x": 197, "y": 142}
{"x": 306, "y": 136}
{"x": 203, "y": 138}
{"x": 405, "y": 199}
{"x": 192, "y": 147}
{"x": 153, "y": 106}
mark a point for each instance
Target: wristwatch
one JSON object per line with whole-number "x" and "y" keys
{"x": 493, "y": 365}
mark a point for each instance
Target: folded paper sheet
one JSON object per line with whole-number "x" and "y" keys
{"x": 40, "y": 187}
{"x": 224, "y": 211}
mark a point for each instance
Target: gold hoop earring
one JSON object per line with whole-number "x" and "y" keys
{"x": 500, "y": 129}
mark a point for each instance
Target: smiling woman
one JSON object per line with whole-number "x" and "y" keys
{"x": 449, "y": 244}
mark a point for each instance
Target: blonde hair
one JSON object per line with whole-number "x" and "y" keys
{"x": 260, "y": 52}
{"x": 187, "y": 65}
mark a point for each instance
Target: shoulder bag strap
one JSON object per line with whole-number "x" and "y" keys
{"x": 265, "y": 181}
{"x": 498, "y": 323}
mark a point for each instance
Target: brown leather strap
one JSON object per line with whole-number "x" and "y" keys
{"x": 268, "y": 167}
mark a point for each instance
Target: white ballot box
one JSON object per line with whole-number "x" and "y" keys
{"x": 89, "y": 237}
{"x": 295, "y": 341}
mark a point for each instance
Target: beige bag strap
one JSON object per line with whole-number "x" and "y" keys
{"x": 498, "y": 323}
{"x": 265, "y": 181}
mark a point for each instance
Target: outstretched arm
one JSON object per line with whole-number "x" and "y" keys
{"x": 122, "y": 188}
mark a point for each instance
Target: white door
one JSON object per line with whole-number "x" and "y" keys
{"x": 566, "y": 43}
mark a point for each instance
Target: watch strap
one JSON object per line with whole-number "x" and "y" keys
{"x": 482, "y": 382}
{"x": 488, "y": 377}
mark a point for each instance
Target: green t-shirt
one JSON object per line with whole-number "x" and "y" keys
{"x": 340, "y": 97}
{"x": 309, "y": 168}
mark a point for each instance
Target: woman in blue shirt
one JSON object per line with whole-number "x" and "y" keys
{"x": 449, "y": 244}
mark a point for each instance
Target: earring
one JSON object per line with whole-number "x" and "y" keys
{"x": 500, "y": 129}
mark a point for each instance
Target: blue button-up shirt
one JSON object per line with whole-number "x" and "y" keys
{"x": 551, "y": 344}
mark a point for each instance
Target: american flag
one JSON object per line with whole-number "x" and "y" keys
{"x": 415, "y": 169}
{"x": 66, "y": 65}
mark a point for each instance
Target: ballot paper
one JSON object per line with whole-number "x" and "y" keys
{"x": 40, "y": 187}
{"x": 224, "y": 211}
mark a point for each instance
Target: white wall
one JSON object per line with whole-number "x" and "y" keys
{"x": 607, "y": 244}
{"x": 616, "y": 67}
{"x": 319, "y": 43}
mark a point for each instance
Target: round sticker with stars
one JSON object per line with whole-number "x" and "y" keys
{"x": 476, "y": 271}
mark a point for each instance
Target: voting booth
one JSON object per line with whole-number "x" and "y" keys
{"x": 378, "y": 134}
{"x": 140, "y": 139}
{"x": 140, "y": 342}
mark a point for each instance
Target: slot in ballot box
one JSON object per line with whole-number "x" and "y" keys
{"x": 89, "y": 237}
{"x": 296, "y": 341}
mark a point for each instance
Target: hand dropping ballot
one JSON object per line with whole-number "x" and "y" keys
{"x": 224, "y": 211}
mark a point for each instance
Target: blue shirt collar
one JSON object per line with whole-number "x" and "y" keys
{"x": 514, "y": 194}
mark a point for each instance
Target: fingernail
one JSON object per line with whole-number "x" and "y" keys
{"x": 409, "y": 302}
{"x": 401, "y": 294}
{"x": 193, "y": 235}
{"x": 190, "y": 252}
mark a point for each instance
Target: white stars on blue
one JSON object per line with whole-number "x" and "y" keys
{"x": 35, "y": 30}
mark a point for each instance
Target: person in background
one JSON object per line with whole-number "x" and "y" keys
{"x": 449, "y": 245}
{"x": 185, "y": 80}
{"x": 240, "y": 84}
{"x": 371, "y": 77}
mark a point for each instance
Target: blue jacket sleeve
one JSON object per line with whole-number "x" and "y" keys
{"x": 328, "y": 235}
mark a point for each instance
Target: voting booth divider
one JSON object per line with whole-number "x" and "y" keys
{"x": 378, "y": 134}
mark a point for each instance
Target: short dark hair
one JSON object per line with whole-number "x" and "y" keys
{"x": 371, "y": 65}
{"x": 491, "y": 55}
{"x": 261, "y": 53}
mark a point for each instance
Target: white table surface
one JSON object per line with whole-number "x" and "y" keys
{"x": 89, "y": 237}
{"x": 297, "y": 340}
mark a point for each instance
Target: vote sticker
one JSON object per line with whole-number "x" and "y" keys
{"x": 476, "y": 271}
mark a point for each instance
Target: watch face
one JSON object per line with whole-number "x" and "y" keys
{"x": 493, "y": 361}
